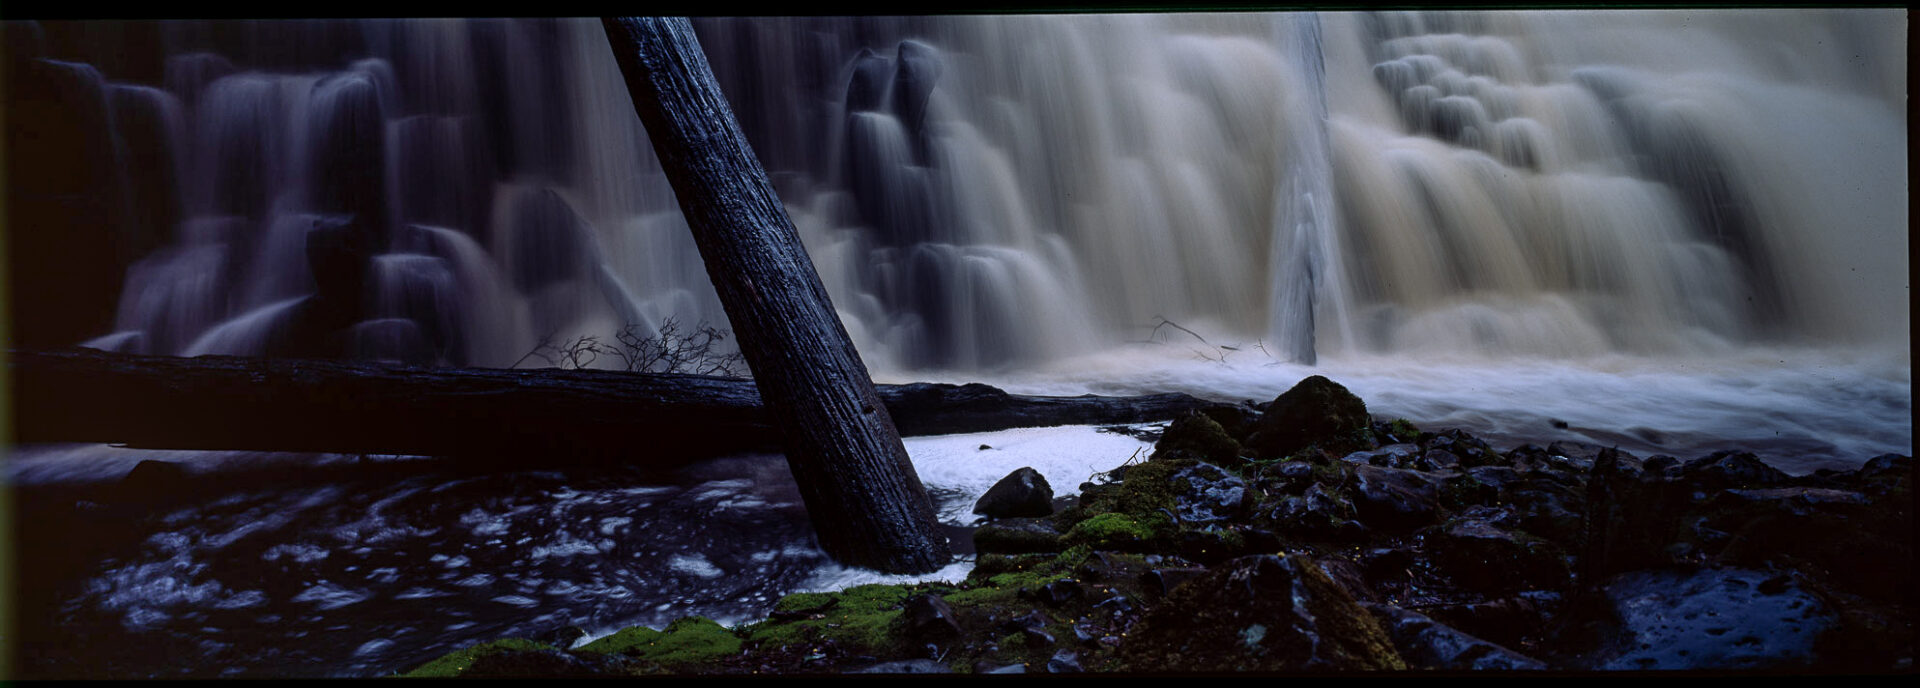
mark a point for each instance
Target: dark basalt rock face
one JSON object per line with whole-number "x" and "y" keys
{"x": 1023, "y": 492}
{"x": 1317, "y": 411}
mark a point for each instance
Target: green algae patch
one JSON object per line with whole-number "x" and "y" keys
{"x": 458, "y": 661}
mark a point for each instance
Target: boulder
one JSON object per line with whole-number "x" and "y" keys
{"x": 927, "y": 618}
{"x": 1317, "y": 411}
{"x": 1394, "y": 498}
{"x": 1258, "y": 613}
{"x": 1707, "y": 619}
{"x": 1429, "y": 644}
{"x": 1731, "y": 469}
{"x": 1023, "y": 492}
{"x": 1481, "y": 556}
{"x": 1197, "y": 436}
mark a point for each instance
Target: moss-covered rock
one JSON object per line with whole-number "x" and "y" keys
{"x": 456, "y": 663}
{"x": 1317, "y": 412}
{"x": 1197, "y": 436}
{"x": 689, "y": 641}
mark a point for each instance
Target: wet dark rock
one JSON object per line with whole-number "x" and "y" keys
{"x": 1196, "y": 436}
{"x": 1239, "y": 420}
{"x": 1429, "y": 644}
{"x": 1008, "y": 669}
{"x": 1497, "y": 477}
{"x": 1712, "y": 619}
{"x": 1349, "y": 576}
{"x": 1886, "y": 465}
{"x": 1394, "y": 498}
{"x": 1258, "y": 613}
{"x": 66, "y": 180}
{"x": 1164, "y": 581}
{"x": 1316, "y": 513}
{"x": 869, "y": 81}
{"x": 1061, "y": 591}
{"x": 1660, "y": 466}
{"x": 1731, "y": 469}
{"x": 925, "y": 618}
{"x": 1017, "y": 536}
{"x": 564, "y": 637}
{"x": 1837, "y": 536}
{"x": 906, "y": 666}
{"x": 1290, "y": 477}
{"x": 1480, "y": 556}
{"x": 1472, "y": 451}
{"x": 1206, "y": 494}
{"x": 1506, "y": 621}
{"x": 917, "y": 69}
{"x": 1317, "y": 411}
{"x": 1024, "y": 492}
{"x": 347, "y": 135}
{"x": 1064, "y": 662}
{"x": 1462, "y": 490}
{"x": 1389, "y": 456}
{"x": 1035, "y": 637}
{"x": 1436, "y": 460}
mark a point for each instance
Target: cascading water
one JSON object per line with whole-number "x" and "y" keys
{"x": 1671, "y": 231}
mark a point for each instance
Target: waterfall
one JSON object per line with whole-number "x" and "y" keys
{"x": 991, "y": 194}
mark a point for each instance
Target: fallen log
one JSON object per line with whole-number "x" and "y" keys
{"x": 551, "y": 415}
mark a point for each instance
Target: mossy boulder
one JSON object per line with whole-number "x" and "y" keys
{"x": 457, "y": 663}
{"x": 1319, "y": 412}
{"x": 1197, "y": 436}
{"x": 693, "y": 640}
{"x": 1259, "y": 613}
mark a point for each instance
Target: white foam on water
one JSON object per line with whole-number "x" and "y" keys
{"x": 1066, "y": 456}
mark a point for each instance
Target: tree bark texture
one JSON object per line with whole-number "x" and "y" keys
{"x": 866, "y": 502}
{"x": 523, "y": 417}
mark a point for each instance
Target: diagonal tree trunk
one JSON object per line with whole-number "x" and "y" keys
{"x": 866, "y": 502}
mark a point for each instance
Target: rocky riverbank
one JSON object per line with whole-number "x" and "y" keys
{"x": 1304, "y": 535}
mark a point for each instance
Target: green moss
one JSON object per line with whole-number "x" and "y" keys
{"x": 688, "y": 641}
{"x": 1110, "y": 531}
{"x": 1404, "y": 430}
{"x": 1196, "y": 436}
{"x": 805, "y": 603}
{"x": 859, "y": 618}
{"x": 454, "y": 663}
{"x": 1147, "y": 490}
{"x": 624, "y": 640}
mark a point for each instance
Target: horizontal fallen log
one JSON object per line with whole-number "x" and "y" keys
{"x": 558, "y": 416}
